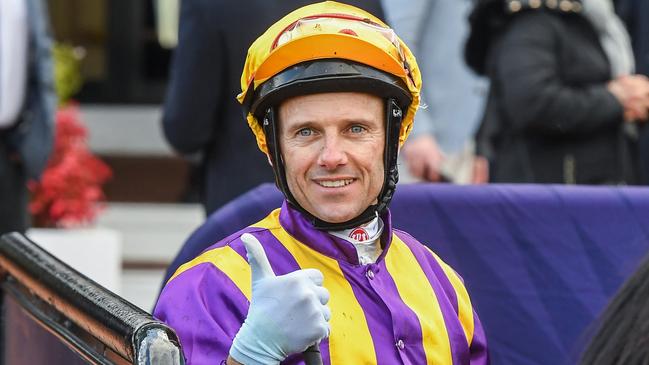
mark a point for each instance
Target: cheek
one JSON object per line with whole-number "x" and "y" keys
{"x": 375, "y": 168}
{"x": 296, "y": 165}
{"x": 378, "y": 151}
{"x": 378, "y": 174}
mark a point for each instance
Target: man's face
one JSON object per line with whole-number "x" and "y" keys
{"x": 332, "y": 145}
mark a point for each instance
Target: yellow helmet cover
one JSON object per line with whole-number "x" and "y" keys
{"x": 329, "y": 30}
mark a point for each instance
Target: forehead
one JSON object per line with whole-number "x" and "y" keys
{"x": 331, "y": 107}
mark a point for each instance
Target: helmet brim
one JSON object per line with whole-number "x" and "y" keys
{"x": 335, "y": 75}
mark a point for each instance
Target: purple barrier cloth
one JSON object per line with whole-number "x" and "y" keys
{"x": 540, "y": 261}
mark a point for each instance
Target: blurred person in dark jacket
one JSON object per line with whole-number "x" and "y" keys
{"x": 201, "y": 114}
{"x": 635, "y": 13}
{"x": 27, "y": 104}
{"x": 564, "y": 103}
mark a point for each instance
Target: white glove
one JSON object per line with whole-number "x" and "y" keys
{"x": 287, "y": 313}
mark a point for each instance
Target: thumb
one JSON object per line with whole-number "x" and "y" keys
{"x": 259, "y": 265}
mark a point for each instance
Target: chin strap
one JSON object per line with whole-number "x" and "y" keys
{"x": 394, "y": 116}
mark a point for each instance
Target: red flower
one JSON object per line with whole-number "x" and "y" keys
{"x": 70, "y": 190}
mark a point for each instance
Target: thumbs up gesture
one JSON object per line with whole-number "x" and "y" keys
{"x": 287, "y": 313}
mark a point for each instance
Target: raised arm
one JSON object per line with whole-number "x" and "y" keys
{"x": 287, "y": 313}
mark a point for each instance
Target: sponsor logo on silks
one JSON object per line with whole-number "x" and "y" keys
{"x": 359, "y": 234}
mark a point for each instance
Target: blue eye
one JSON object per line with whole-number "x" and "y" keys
{"x": 357, "y": 129}
{"x": 304, "y": 132}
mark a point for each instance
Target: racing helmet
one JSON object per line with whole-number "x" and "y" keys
{"x": 330, "y": 47}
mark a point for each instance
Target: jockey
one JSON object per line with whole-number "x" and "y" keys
{"x": 330, "y": 93}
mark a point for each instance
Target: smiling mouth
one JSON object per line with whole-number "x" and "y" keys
{"x": 335, "y": 183}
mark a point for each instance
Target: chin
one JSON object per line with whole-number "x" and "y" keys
{"x": 341, "y": 215}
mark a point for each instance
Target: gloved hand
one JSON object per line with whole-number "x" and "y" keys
{"x": 287, "y": 313}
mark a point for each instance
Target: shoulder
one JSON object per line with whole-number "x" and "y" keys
{"x": 412, "y": 243}
{"x": 222, "y": 271}
{"x": 422, "y": 254}
{"x": 527, "y": 33}
{"x": 539, "y": 23}
{"x": 228, "y": 256}
{"x": 426, "y": 257}
{"x": 546, "y": 22}
{"x": 222, "y": 255}
{"x": 540, "y": 16}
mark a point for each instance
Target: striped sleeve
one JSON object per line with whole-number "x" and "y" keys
{"x": 468, "y": 317}
{"x": 465, "y": 309}
{"x": 479, "y": 353}
{"x": 468, "y": 341}
{"x": 206, "y": 301}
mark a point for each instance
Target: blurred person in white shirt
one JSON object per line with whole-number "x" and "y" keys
{"x": 27, "y": 104}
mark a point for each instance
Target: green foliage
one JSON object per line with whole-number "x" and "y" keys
{"x": 67, "y": 74}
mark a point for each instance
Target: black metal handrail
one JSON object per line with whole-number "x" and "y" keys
{"x": 47, "y": 285}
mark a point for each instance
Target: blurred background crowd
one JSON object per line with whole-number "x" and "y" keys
{"x": 515, "y": 91}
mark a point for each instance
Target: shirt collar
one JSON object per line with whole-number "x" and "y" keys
{"x": 301, "y": 229}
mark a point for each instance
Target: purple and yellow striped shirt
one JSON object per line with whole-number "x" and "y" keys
{"x": 407, "y": 308}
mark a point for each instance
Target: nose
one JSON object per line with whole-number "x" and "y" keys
{"x": 332, "y": 154}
